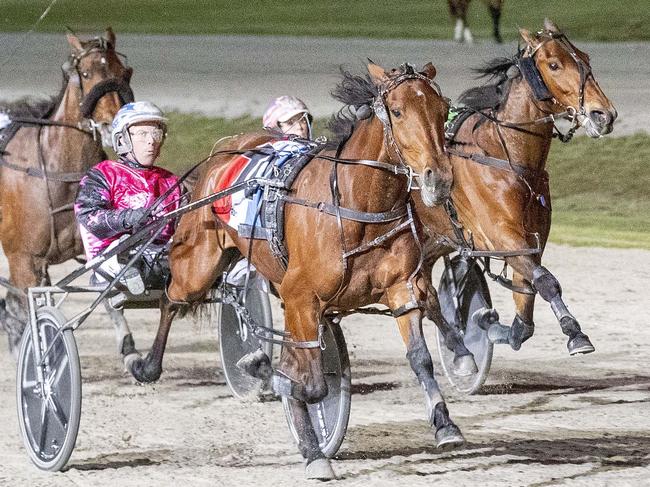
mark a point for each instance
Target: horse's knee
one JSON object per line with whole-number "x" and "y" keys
{"x": 545, "y": 283}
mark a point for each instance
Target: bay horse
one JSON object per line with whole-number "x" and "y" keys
{"x": 501, "y": 188}
{"x": 458, "y": 10}
{"x": 46, "y": 150}
{"x": 335, "y": 263}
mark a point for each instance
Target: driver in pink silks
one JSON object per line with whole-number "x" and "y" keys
{"x": 114, "y": 196}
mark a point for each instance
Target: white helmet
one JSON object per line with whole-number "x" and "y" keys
{"x": 129, "y": 114}
{"x": 282, "y": 109}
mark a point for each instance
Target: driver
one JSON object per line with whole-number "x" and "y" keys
{"x": 289, "y": 115}
{"x": 115, "y": 197}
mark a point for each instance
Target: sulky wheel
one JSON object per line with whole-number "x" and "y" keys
{"x": 235, "y": 341}
{"x": 49, "y": 412}
{"x": 330, "y": 416}
{"x": 474, "y": 295}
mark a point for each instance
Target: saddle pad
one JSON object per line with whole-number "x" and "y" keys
{"x": 243, "y": 207}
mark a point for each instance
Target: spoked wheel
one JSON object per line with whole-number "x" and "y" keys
{"x": 474, "y": 295}
{"x": 329, "y": 417}
{"x": 49, "y": 412}
{"x": 235, "y": 341}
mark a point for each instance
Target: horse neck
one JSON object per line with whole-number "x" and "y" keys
{"x": 67, "y": 148}
{"x": 523, "y": 148}
{"x": 382, "y": 189}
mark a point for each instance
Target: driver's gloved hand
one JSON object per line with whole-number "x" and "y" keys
{"x": 133, "y": 219}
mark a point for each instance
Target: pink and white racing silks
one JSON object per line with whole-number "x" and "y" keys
{"x": 109, "y": 193}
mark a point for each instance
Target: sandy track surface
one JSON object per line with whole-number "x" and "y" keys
{"x": 237, "y": 75}
{"x": 544, "y": 418}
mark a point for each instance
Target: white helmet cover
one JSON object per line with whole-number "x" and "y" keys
{"x": 282, "y": 109}
{"x": 130, "y": 114}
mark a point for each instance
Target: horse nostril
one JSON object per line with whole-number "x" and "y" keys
{"x": 600, "y": 118}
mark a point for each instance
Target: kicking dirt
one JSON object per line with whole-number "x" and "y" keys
{"x": 543, "y": 418}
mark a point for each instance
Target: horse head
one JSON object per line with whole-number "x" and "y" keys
{"x": 413, "y": 112}
{"x": 100, "y": 77}
{"x": 565, "y": 79}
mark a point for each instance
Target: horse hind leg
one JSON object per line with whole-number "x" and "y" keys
{"x": 549, "y": 289}
{"x": 464, "y": 364}
{"x": 149, "y": 368}
{"x": 495, "y": 11}
{"x": 125, "y": 344}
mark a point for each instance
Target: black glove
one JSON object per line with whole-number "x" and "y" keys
{"x": 134, "y": 219}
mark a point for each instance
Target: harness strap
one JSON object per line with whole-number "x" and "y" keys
{"x": 346, "y": 213}
{"x": 502, "y": 164}
{"x": 62, "y": 177}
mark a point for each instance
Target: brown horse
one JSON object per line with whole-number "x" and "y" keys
{"x": 501, "y": 189}
{"x": 51, "y": 144}
{"x": 402, "y": 129}
{"x": 458, "y": 10}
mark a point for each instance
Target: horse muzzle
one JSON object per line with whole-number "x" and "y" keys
{"x": 599, "y": 122}
{"x": 433, "y": 189}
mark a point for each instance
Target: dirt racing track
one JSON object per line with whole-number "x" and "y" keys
{"x": 543, "y": 418}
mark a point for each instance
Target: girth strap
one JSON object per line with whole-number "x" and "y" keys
{"x": 346, "y": 213}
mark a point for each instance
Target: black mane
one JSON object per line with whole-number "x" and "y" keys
{"x": 490, "y": 95}
{"x": 353, "y": 91}
{"x": 29, "y": 107}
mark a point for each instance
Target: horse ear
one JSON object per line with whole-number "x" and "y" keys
{"x": 550, "y": 26}
{"x": 109, "y": 35}
{"x": 74, "y": 42}
{"x": 377, "y": 73}
{"x": 528, "y": 37}
{"x": 429, "y": 70}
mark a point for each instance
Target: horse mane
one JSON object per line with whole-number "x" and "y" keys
{"x": 29, "y": 107}
{"x": 353, "y": 91}
{"x": 493, "y": 94}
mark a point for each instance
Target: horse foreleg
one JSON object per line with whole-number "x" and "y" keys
{"x": 25, "y": 271}
{"x": 410, "y": 327}
{"x": 148, "y": 369}
{"x": 548, "y": 287}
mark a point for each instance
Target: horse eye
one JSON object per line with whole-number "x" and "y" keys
{"x": 397, "y": 113}
{"x": 554, "y": 66}
{"x": 85, "y": 74}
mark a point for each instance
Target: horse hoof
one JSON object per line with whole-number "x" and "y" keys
{"x": 499, "y": 334}
{"x": 449, "y": 437}
{"x": 464, "y": 366}
{"x": 128, "y": 360}
{"x": 319, "y": 469}
{"x": 580, "y": 344}
{"x": 256, "y": 364}
{"x": 143, "y": 371}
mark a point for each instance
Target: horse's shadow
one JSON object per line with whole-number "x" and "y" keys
{"x": 604, "y": 452}
{"x": 119, "y": 460}
{"x": 539, "y": 382}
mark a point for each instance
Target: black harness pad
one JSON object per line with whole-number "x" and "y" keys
{"x": 534, "y": 79}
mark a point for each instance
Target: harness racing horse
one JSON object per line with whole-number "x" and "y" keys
{"x": 347, "y": 246}
{"x": 44, "y": 152}
{"x": 458, "y": 10}
{"x": 501, "y": 200}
